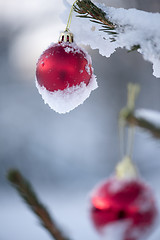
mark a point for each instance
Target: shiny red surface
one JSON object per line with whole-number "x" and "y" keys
{"x": 58, "y": 69}
{"x": 116, "y": 200}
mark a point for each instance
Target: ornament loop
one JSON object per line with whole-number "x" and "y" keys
{"x": 70, "y": 17}
{"x": 133, "y": 91}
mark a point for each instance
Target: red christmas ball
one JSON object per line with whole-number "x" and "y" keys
{"x": 63, "y": 65}
{"x": 64, "y": 75}
{"x": 129, "y": 203}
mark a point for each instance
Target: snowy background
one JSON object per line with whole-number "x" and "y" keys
{"x": 65, "y": 155}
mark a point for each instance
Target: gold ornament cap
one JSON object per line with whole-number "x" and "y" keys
{"x": 66, "y": 36}
{"x": 125, "y": 169}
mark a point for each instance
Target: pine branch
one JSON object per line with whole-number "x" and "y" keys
{"x": 132, "y": 29}
{"x": 87, "y": 9}
{"x": 131, "y": 118}
{"x": 26, "y": 192}
{"x": 134, "y": 48}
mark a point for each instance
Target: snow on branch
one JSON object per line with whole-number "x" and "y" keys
{"x": 108, "y": 28}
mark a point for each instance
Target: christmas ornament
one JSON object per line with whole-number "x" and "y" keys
{"x": 64, "y": 74}
{"x": 123, "y": 209}
{"x": 123, "y": 206}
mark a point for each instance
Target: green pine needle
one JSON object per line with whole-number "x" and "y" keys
{"x": 89, "y": 10}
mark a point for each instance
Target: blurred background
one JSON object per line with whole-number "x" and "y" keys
{"x": 64, "y": 156}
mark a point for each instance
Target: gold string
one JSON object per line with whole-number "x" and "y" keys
{"x": 130, "y": 141}
{"x": 121, "y": 137}
{"x": 133, "y": 90}
{"x": 70, "y": 17}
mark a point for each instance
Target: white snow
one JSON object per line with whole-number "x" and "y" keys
{"x": 115, "y": 231}
{"x": 72, "y": 48}
{"x": 116, "y": 185}
{"x": 67, "y": 49}
{"x": 87, "y": 68}
{"x": 68, "y": 99}
{"x": 134, "y": 27}
{"x": 149, "y": 115}
{"x": 144, "y": 201}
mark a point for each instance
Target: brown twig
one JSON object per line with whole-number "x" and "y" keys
{"x": 24, "y": 188}
{"x": 131, "y": 118}
{"x": 143, "y": 123}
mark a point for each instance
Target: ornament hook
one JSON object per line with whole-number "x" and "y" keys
{"x": 67, "y": 36}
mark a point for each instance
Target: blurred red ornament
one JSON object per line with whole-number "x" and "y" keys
{"x": 129, "y": 201}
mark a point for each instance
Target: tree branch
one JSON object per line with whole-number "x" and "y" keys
{"x": 123, "y": 25}
{"x": 25, "y": 190}
{"x": 89, "y": 10}
{"x": 131, "y": 118}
